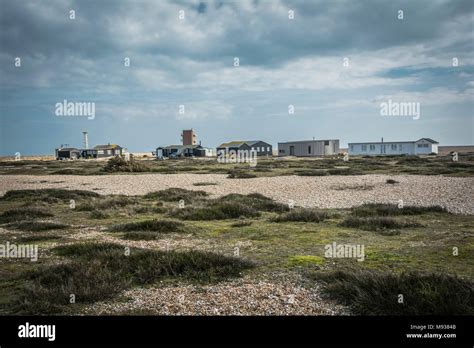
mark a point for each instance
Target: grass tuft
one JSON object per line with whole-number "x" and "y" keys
{"x": 392, "y": 182}
{"x": 204, "y": 184}
{"x": 240, "y": 174}
{"x": 255, "y": 200}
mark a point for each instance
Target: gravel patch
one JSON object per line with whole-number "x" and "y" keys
{"x": 244, "y": 296}
{"x": 170, "y": 242}
{"x": 455, "y": 194}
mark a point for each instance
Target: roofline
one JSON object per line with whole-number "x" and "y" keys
{"x": 180, "y": 146}
{"x": 307, "y": 141}
{"x": 395, "y": 142}
{"x": 385, "y": 142}
{"x": 246, "y": 142}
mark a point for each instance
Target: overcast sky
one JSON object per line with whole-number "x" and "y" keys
{"x": 190, "y": 62}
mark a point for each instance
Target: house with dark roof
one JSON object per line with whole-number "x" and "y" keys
{"x": 262, "y": 148}
{"x": 175, "y": 151}
{"x": 88, "y": 153}
{"x": 423, "y": 146}
{"x": 67, "y": 153}
{"x": 109, "y": 150}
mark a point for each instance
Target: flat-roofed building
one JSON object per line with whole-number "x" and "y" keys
{"x": 309, "y": 148}
{"x": 423, "y": 146}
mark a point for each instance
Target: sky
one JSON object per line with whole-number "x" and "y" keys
{"x": 334, "y": 61}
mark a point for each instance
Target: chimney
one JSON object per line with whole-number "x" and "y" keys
{"x": 85, "y": 140}
{"x": 382, "y": 139}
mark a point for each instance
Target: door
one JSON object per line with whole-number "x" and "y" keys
{"x": 292, "y": 150}
{"x": 327, "y": 150}
{"x": 382, "y": 148}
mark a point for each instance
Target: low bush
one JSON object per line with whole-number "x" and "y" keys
{"x": 150, "y": 210}
{"x": 382, "y": 209}
{"x": 22, "y": 214}
{"x": 377, "y": 293}
{"x": 302, "y": 215}
{"x": 99, "y": 271}
{"x": 48, "y": 195}
{"x": 375, "y": 223}
{"x": 241, "y": 223}
{"x": 311, "y": 172}
{"x": 38, "y": 238}
{"x": 344, "y": 171}
{"x": 36, "y": 226}
{"x": 161, "y": 226}
{"x": 176, "y": 194}
{"x": 460, "y": 165}
{"x": 67, "y": 171}
{"x": 412, "y": 160}
{"x": 217, "y": 211}
{"x": 98, "y": 214}
{"x": 110, "y": 202}
{"x": 120, "y": 164}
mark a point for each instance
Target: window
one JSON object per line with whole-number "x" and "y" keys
{"x": 309, "y": 149}
{"x": 258, "y": 148}
{"x": 326, "y": 142}
{"x": 352, "y": 147}
{"x": 419, "y": 145}
{"x": 399, "y": 147}
{"x": 281, "y": 151}
{"x": 364, "y": 147}
{"x": 268, "y": 149}
{"x": 372, "y": 147}
{"x": 394, "y": 147}
{"x": 425, "y": 145}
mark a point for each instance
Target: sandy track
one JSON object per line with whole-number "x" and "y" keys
{"x": 456, "y": 194}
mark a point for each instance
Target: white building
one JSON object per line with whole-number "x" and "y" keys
{"x": 423, "y": 146}
{"x": 309, "y": 148}
{"x": 209, "y": 152}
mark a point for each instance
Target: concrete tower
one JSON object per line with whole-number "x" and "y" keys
{"x": 85, "y": 140}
